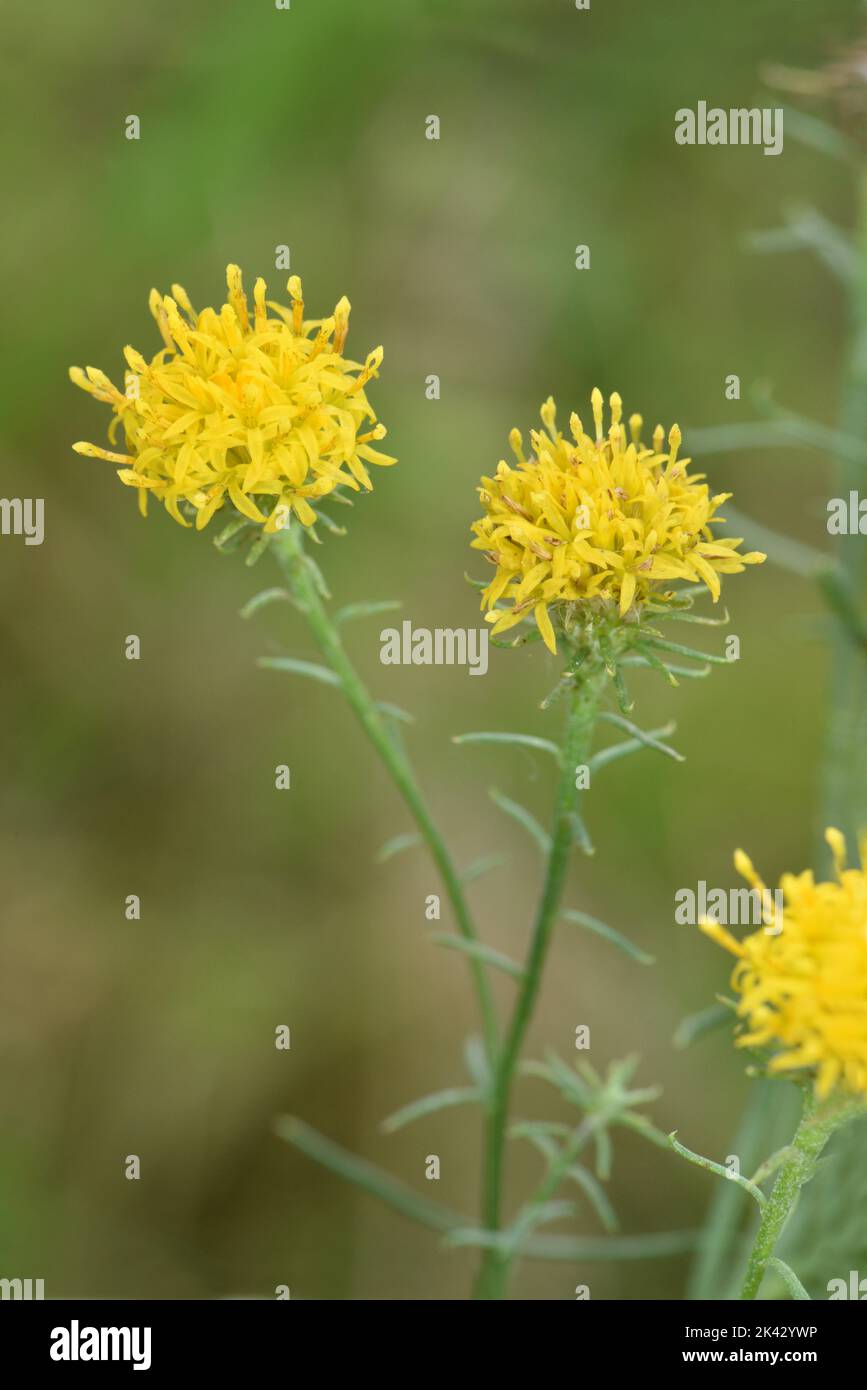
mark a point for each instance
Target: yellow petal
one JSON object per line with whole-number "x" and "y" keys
{"x": 627, "y": 592}
{"x": 545, "y": 626}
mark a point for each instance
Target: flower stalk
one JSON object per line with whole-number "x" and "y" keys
{"x": 582, "y": 712}
{"x": 299, "y": 575}
{"x": 820, "y": 1120}
{"x": 844, "y": 795}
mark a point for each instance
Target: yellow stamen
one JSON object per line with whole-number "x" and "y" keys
{"x": 297, "y": 294}
{"x": 597, "y": 406}
{"x": 837, "y": 844}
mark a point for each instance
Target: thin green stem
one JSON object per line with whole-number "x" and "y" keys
{"x": 845, "y": 789}
{"x": 712, "y": 1269}
{"x": 290, "y": 556}
{"x": 583, "y": 706}
{"x": 817, "y": 1125}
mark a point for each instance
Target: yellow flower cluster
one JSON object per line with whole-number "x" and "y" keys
{"x": 605, "y": 518}
{"x": 802, "y": 978}
{"x": 243, "y": 407}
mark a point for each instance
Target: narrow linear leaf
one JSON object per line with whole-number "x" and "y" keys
{"x": 429, "y": 1105}
{"x": 294, "y": 667}
{"x": 552, "y": 1211}
{"x": 712, "y": 1275}
{"x": 330, "y": 524}
{"x": 655, "y": 663}
{"x": 316, "y": 573}
{"x": 696, "y": 1025}
{"x": 267, "y": 596}
{"x": 641, "y": 1125}
{"x": 769, "y": 1167}
{"x": 694, "y": 673}
{"x": 547, "y": 1146}
{"x": 768, "y": 241}
{"x": 576, "y": 1249}
{"x": 807, "y": 230}
{"x": 543, "y": 1141}
{"x": 790, "y": 1279}
{"x": 684, "y": 595}
{"x": 365, "y": 610}
{"x": 563, "y": 684}
{"x": 623, "y": 700}
{"x": 513, "y": 1239}
{"x": 604, "y": 1154}
{"x": 818, "y": 135}
{"x": 616, "y": 938}
{"x": 540, "y": 745}
{"x": 557, "y": 1073}
{"x": 721, "y": 1172}
{"x": 482, "y": 866}
{"x": 654, "y": 1246}
{"x": 527, "y": 821}
{"x": 474, "y": 1238}
{"x": 781, "y": 433}
{"x": 596, "y": 1195}
{"x": 702, "y": 619}
{"x": 479, "y": 951}
{"x": 257, "y": 550}
{"x": 648, "y": 739}
{"x": 478, "y": 1067}
{"x": 229, "y": 532}
{"x": 371, "y": 1179}
{"x": 630, "y": 745}
{"x": 537, "y": 1214}
{"x": 580, "y": 834}
{"x": 394, "y": 712}
{"x": 663, "y": 645}
{"x": 539, "y": 1129}
{"x": 396, "y": 846}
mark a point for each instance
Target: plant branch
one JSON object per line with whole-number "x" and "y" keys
{"x": 583, "y": 708}
{"x": 293, "y": 562}
{"x": 817, "y": 1125}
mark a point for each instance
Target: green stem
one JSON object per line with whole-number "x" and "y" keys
{"x": 817, "y": 1125}
{"x": 845, "y": 790}
{"x": 712, "y": 1270}
{"x": 290, "y": 556}
{"x": 493, "y": 1276}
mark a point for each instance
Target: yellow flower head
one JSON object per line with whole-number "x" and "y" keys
{"x": 260, "y": 409}
{"x": 802, "y": 978}
{"x": 607, "y": 518}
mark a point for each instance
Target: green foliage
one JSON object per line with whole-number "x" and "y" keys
{"x": 616, "y": 938}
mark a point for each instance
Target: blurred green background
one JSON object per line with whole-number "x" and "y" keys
{"x": 306, "y": 127}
